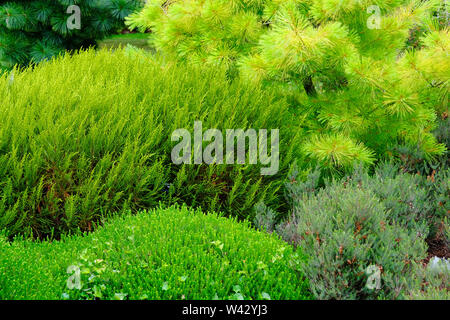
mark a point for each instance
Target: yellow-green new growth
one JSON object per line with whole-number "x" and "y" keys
{"x": 343, "y": 64}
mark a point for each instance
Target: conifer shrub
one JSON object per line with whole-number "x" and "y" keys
{"x": 39, "y": 29}
{"x": 365, "y": 235}
{"x": 352, "y": 84}
{"x": 173, "y": 253}
{"x": 89, "y": 134}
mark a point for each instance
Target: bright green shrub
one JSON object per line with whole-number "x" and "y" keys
{"x": 354, "y": 227}
{"x": 39, "y": 29}
{"x": 446, "y": 230}
{"x": 355, "y": 89}
{"x": 163, "y": 254}
{"x": 91, "y": 133}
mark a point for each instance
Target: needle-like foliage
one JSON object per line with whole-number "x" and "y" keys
{"x": 169, "y": 254}
{"x": 38, "y": 30}
{"x": 98, "y": 140}
{"x": 356, "y": 85}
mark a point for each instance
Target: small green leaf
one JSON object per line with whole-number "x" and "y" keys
{"x": 120, "y": 296}
{"x": 265, "y": 296}
{"x": 97, "y": 292}
{"x": 182, "y": 279}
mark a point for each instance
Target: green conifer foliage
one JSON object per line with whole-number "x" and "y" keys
{"x": 38, "y": 30}
{"x": 357, "y": 86}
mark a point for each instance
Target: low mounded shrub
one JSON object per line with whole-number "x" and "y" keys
{"x": 163, "y": 254}
{"x": 91, "y": 133}
{"x": 360, "y": 228}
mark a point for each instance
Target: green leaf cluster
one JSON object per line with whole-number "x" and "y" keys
{"x": 355, "y": 87}
{"x": 171, "y": 254}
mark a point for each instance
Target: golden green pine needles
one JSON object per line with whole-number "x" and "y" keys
{"x": 343, "y": 64}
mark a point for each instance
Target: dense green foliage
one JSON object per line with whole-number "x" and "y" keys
{"x": 39, "y": 29}
{"x": 163, "y": 254}
{"x": 362, "y": 222}
{"x": 355, "y": 88}
{"x": 91, "y": 133}
{"x": 88, "y": 186}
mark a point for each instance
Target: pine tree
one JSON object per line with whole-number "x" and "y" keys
{"x": 357, "y": 86}
{"x": 38, "y": 30}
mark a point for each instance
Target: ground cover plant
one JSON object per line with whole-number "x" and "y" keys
{"x": 173, "y": 253}
{"x": 98, "y": 140}
{"x": 345, "y": 65}
{"x": 361, "y": 227}
{"x": 40, "y": 29}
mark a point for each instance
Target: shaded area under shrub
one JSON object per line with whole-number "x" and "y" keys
{"x": 91, "y": 133}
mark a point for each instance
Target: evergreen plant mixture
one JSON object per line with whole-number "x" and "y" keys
{"x": 213, "y": 151}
